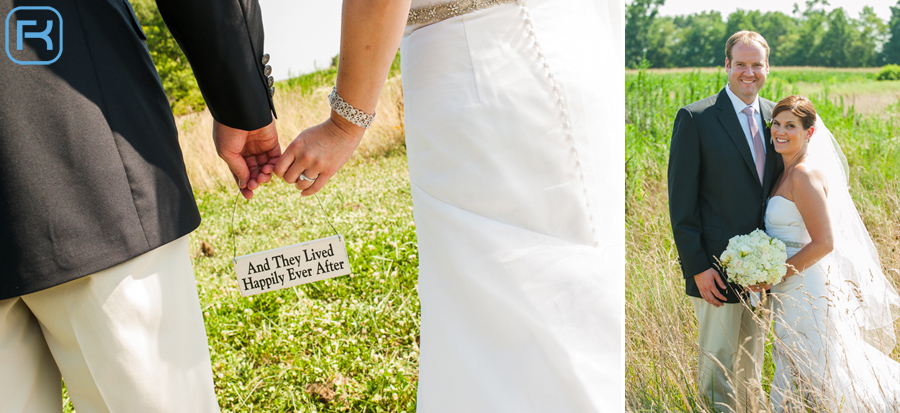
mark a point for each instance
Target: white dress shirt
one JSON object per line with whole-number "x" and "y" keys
{"x": 739, "y": 106}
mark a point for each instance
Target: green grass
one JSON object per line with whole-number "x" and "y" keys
{"x": 866, "y": 86}
{"x": 308, "y": 82}
{"x": 345, "y": 344}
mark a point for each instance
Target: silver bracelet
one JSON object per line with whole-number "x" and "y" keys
{"x": 354, "y": 115}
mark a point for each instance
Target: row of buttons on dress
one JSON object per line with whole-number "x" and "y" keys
{"x": 268, "y": 72}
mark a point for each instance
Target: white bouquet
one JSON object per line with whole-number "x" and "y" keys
{"x": 754, "y": 258}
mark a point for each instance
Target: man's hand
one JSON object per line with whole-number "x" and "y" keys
{"x": 250, "y": 155}
{"x": 709, "y": 283}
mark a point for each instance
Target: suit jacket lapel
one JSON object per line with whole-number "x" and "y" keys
{"x": 729, "y": 120}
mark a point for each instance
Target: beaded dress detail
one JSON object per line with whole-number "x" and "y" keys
{"x": 445, "y": 10}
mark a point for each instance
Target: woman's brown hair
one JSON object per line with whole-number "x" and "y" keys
{"x": 800, "y": 106}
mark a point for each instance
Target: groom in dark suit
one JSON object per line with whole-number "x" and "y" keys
{"x": 722, "y": 166}
{"x": 96, "y": 284}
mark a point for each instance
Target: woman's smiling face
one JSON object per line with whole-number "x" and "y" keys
{"x": 788, "y": 133}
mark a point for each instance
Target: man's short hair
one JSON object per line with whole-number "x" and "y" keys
{"x": 745, "y": 37}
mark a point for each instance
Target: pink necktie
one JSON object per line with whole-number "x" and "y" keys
{"x": 757, "y": 143}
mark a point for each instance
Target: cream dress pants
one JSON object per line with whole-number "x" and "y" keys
{"x": 731, "y": 355}
{"x": 127, "y": 339}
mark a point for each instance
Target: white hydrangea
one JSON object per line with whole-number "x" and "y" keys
{"x": 754, "y": 258}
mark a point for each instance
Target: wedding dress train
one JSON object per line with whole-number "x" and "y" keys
{"x": 822, "y": 359}
{"x": 520, "y": 237}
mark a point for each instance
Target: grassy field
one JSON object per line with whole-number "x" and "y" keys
{"x": 346, "y": 344}
{"x": 661, "y": 330}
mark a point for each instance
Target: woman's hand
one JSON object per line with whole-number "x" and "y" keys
{"x": 317, "y": 153}
{"x": 370, "y": 34}
{"x": 759, "y": 287}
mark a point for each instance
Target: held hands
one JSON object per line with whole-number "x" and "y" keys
{"x": 250, "y": 155}
{"x": 709, "y": 283}
{"x": 317, "y": 153}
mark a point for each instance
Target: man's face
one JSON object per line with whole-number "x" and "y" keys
{"x": 747, "y": 70}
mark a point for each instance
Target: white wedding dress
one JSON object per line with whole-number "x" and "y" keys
{"x": 511, "y": 113}
{"x": 823, "y": 360}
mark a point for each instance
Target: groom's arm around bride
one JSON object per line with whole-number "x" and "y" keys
{"x": 721, "y": 168}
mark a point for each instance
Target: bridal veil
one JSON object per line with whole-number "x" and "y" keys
{"x": 860, "y": 289}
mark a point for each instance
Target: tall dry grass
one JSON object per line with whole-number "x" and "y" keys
{"x": 661, "y": 327}
{"x": 297, "y": 110}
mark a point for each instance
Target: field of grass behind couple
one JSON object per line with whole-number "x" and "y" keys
{"x": 661, "y": 327}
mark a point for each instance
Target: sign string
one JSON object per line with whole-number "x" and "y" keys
{"x": 237, "y": 197}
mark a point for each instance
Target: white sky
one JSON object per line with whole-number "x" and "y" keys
{"x": 303, "y": 35}
{"x": 851, "y": 7}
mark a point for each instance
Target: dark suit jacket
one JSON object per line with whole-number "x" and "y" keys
{"x": 714, "y": 191}
{"x": 91, "y": 173}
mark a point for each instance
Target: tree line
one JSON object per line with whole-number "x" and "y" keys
{"x": 810, "y": 36}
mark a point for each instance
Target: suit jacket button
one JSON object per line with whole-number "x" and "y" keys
{"x": 271, "y": 81}
{"x": 271, "y": 91}
{"x": 265, "y": 59}
{"x": 268, "y": 70}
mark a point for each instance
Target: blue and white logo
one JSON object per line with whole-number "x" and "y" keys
{"x": 34, "y": 35}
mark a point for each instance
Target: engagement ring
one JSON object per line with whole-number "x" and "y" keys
{"x": 303, "y": 177}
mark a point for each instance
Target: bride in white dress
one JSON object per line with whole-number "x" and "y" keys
{"x": 834, "y": 310}
{"x": 512, "y": 108}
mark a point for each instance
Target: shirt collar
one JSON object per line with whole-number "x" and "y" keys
{"x": 739, "y": 104}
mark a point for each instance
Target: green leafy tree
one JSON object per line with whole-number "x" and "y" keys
{"x": 701, "y": 40}
{"x": 779, "y": 30}
{"x": 776, "y": 27}
{"x": 743, "y": 20}
{"x": 174, "y": 70}
{"x": 870, "y": 30}
{"x": 832, "y": 49}
{"x": 662, "y": 40}
{"x": 890, "y": 53}
{"x": 639, "y": 17}
{"x": 812, "y": 24}
{"x": 811, "y": 36}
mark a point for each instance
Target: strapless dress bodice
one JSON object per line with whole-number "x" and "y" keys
{"x": 783, "y": 221}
